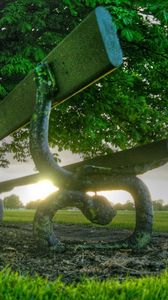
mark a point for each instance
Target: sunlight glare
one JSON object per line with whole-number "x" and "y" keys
{"x": 41, "y": 190}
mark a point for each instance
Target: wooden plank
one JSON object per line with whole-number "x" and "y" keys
{"x": 142, "y": 155}
{"x": 88, "y": 53}
{"x": 146, "y": 156}
{"x": 8, "y": 185}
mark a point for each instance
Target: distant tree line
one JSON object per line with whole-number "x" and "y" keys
{"x": 14, "y": 202}
{"x": 158, "y": 205}
{"x": 32, "y": 204}
{"x": 124, "y": 206}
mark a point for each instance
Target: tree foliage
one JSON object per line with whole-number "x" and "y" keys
{"x": 32, "y": 204}
{"x": 160, "y": 205}
{"x": 127, "y": 108}
{"x": 12, "y": 201}
{"x": 129, "y": 205}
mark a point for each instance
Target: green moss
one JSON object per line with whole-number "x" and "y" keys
{"x": 143, "y": 239}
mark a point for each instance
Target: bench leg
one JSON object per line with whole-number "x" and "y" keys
{"x": 141, "y": 235}
{"x": 91, "y": 179}
{"x": 98, "y": 211}
{"x": 144, "y": 215}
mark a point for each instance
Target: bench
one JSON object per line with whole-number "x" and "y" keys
{"x": 94, "y": 52}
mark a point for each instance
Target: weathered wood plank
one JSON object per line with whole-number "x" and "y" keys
{"x": 20, "y": 181}
{"x": 88, "y": 53}
{"x": 147, "y": 156}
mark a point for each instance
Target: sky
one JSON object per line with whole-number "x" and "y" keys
{"x": 156, "y": 180}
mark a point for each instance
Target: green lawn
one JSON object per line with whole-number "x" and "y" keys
{"x": 124, "y": 219}
{"x": 14, "y": 286}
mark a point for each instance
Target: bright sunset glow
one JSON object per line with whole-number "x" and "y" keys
{"x": 44, "y": 188}
{"x": 115, "y": 196}
{"x": 41, "y": 190}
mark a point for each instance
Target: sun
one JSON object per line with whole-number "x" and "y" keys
{"x": 42, "y": 189}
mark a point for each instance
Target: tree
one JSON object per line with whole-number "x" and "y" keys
{"x": 12, "y": 201}
{"x": 126, "y": 108}
{"x": 165, "y": 207}
{"x": 159, "y": 205}
{"x": 32, "y": 204}
{"x": 129, "y": 205}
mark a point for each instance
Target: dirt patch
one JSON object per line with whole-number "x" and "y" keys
{"x": 19, "y": 251}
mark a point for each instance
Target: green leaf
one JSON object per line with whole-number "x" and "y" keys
{"x": 127, "y": 34}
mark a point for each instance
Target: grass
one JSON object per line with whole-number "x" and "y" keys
{"x": 123, "y": 220}
{"x": 15, "y": 286}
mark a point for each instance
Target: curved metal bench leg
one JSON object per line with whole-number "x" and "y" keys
{"x": 141, "y": 235}
{"x": 144, "y": 215}
{"x": 97, "y": 211}
{"x": 93, "y": 209}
